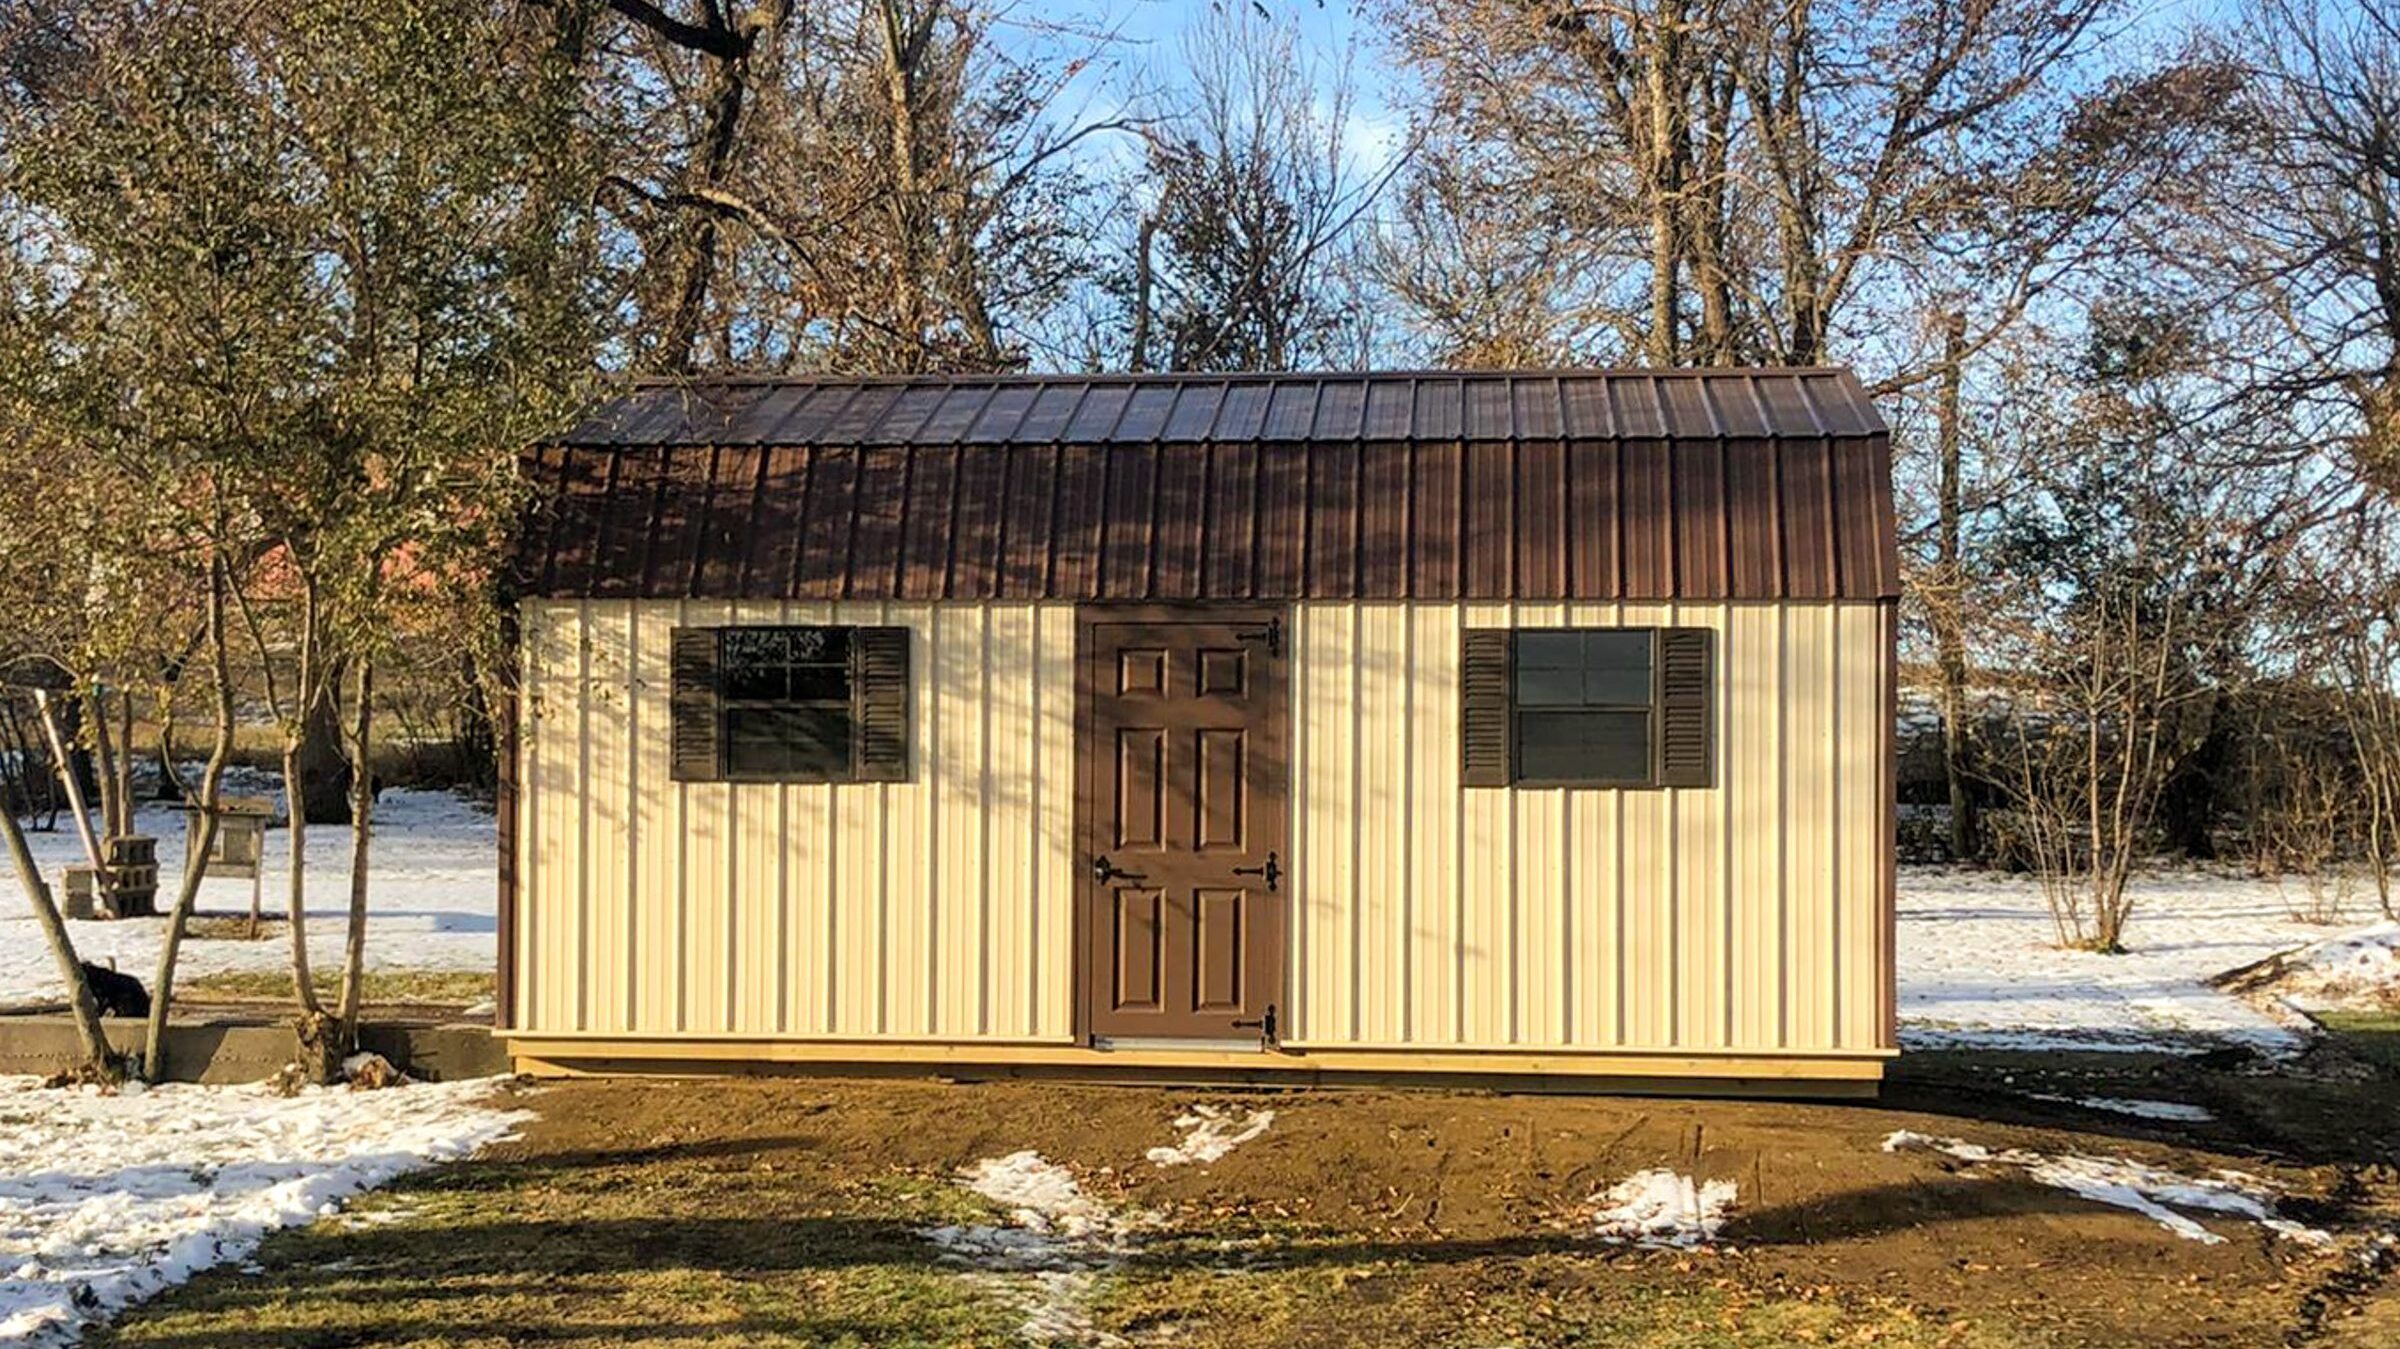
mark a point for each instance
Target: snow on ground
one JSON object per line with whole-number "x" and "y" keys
{"x": 1661, "y": 1210}
{"x": 108, "y": 1199}
{"x": 1050, "y": 1253}
{"x": 1209, "y": 1133}
{"x": 430, "y": 900}
{"x": 2140, "y": 1109}
{"x": 2355, "y": 971}
{"x": 2154, "y": 1193}
{"x": 1980, "y": 965}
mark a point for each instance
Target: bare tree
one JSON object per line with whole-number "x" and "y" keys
{"x": 868, "y": 185}
{"x": 2121, "y": 595}
{"x": 1250, "y": 198}
{"x": 2294, "y": 248}
{"x": 1751, "y": 182}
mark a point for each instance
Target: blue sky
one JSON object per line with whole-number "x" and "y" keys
{"x": 1147, "y": 31}
{"x": 1144, "y": 51}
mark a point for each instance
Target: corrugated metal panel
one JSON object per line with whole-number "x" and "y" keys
{"x": 1573, "y": 485}
{"x": 1749, "y": 916}
{"x": 937, "y": 908}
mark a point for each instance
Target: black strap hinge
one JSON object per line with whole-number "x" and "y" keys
{"x": 1271, "y": 634}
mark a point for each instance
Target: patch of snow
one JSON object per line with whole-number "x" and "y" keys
{"x": 1662, "y": 1210}
{"x": 2353, "y": 971}
{"x": 2172, "y": 1110}
{"x": 2125, "y": 1105}
{"x": 430, "y": 900}
{"x": 1980, "y": 966}
{"x": 1209, "y": 1133}
{"x": 2150, "y": 1191}
{"x": 108, "y": 1199}
{"x": 1056, "y": 1243}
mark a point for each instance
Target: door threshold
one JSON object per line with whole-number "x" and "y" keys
{"x": 1236, "y": 1045}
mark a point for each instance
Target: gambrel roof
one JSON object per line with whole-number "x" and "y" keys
{"x": 1549, "y": 485}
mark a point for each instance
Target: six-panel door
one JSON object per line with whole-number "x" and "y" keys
{"x": 1185, "y": 768}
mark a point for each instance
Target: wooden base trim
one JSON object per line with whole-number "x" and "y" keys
{"x": 1686, "y": 1071}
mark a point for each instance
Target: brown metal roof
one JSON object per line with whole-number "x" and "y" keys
{"x": 1720, "y": 484}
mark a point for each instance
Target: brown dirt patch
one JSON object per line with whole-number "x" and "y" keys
{"x": 790, "y": 1212}
{"x": 1433, "y": 1182}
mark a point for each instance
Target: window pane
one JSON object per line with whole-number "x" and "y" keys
{"x": 755, "y": 683}
{"x": 1616, "y": 667}
{"x": 1592, "y": 666}
{"x": 801, "y": 741}
{"x": 1549, "y": 688}
{"x": 825, "y": 646}
{"x": 1592, "y": 747}
{"x": 1549, "y": 651}
{"x": 756, "y": 646}
{"x": 826, "y": 682}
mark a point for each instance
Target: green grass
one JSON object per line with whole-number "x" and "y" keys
{"x": 2373, "y": 1036}
{"x": 595, "y": 1255}
{"x": 382, "y": 987}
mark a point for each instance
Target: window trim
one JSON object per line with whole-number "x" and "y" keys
{"x": 1650, "y": 710}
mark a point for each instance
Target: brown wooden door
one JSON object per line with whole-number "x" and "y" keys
{"x": 1183, "y": 747}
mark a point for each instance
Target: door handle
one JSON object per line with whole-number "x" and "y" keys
{"x": 1104, "y": 871}
{"x": 1272, "y": 871}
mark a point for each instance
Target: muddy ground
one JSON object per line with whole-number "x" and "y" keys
{"x": 794, "y": 1211}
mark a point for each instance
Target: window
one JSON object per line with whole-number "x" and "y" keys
{"x": 784, "y": 696}
{"x": 791, "y": 704}
{"x": 1585, "y": 707}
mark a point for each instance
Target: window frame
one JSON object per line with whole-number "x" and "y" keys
{"x": 724, "y": 706}
{"x": 1650, "y": 710}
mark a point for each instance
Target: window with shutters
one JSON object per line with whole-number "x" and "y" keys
{"x": 1586, "y": 707}
{"x": 790, "y": 704}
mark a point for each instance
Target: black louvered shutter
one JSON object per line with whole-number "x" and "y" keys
{"x": 879, "y": 695}
{"x": 1686, "y": 752}
{"x": 692, "y": 707}
{"x": 1486, "y": 758}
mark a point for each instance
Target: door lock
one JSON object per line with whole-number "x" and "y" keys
{"x": 1104, "y": 871}
{"x": 1272, "y": 871}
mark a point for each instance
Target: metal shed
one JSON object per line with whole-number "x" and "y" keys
{"x": 1500, "y": 724}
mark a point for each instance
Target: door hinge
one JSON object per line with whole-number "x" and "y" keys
{"x": 1264, "y": 1025}
{"x": 1271, "y": 871}
{"x": 1271, "y": 634}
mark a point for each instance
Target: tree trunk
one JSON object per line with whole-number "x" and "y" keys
{"x": 1138, "y": 357}
{"x": 324, "y": 773}
{"x": 210, "y": 799}
{"x": 1666, "y": 193}
{"x": 104, "y": 763}
{"x": 728, "y": 88}
{"x": 362, "y": 825}
{"x": 98, "y": 1058}
{"x": 71, "y": 779}
{"x": 300, "y": 730}
{"x": 1947, "y": 612}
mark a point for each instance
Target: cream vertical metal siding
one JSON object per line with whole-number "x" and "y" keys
{"x": 933, "y": 909}
{"x": 1747, "y": 917}
{"x": 1750, "y": 917}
